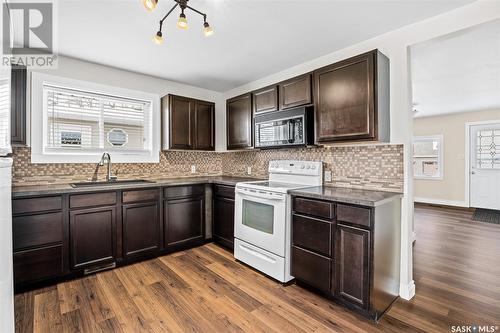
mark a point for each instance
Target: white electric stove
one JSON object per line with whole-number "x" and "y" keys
{"x": 262, "y": 223}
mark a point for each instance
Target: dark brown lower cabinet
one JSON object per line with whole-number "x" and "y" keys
{"x": 92, "y": 237}
{"x": 348, "y": 253}
{"x": 352, "y": 258}
{"x": 184, "y": 221}
{"x": 38, "y": 264}
{"x": 66, "y": 235}
{"x": 38, "y": 235}
{"x": 141, "y": 229}
{"x": 311, "y": 268}
{"x": 223, "y": 221}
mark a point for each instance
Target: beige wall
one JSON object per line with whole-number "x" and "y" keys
{"x": 450, "y": 190}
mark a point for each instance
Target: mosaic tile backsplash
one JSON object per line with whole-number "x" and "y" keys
{"x": 378, "y": 167}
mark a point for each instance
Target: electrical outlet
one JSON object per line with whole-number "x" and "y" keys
{"x": 193, "y": 168}
{"x": 249, "y": 170}
{"x": 328, "y": 176}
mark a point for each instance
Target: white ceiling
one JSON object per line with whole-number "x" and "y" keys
{"x": 458, "y": 72}
{"x": 252, "y": 39}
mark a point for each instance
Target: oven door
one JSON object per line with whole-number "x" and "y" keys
{"x": 260, "y": 219}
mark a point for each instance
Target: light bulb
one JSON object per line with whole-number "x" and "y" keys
{"x": 207, "y": 29}
{"x": 150, "y": 4}
{"x": 182, "y": 22}
{"x": 158, "y": 38}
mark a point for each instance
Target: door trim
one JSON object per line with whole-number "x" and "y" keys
{"x": 468, "y": 126}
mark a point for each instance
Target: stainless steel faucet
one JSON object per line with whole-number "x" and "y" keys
{"x": 107, "y": 158}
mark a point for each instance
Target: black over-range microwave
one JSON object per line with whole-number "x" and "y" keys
{"x": 288, "y": 128}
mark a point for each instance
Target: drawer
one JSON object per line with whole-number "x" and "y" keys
{"x": 224, "y": 191}
{"x": 140, "y": 195}
{"x": 37, "y": 230}
{"x": 92, "y": 199}
{"x": 184, "y": 191}
{"x": 311, "y": 268}
{"x": 312, "y": 207}
{"x": 356, "y": 215}
{"x": 33, "y": 205}
{"x": 38, "y": 264}
{"x": 312, "y": 234}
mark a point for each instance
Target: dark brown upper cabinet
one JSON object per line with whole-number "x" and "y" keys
{"x": 295, "y": 92}
{"x": 18, "y": 105}
{"x": 352, "y": 99}
{"x": 191, "y": 123}
{"x": 239, "y": 122}
{"x": 181, "y": 122}
{"x": 204, "y": 134}
{"x": 265, "y": 100}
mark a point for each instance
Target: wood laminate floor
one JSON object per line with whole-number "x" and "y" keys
{"x": 456, "y": 270}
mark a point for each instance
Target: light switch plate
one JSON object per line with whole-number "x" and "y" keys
{"x": 249, "y": 170}
{"x": 193, "y": 168}
{"x": 328, "y": 176}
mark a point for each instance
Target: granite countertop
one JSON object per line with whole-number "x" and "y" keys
{"x": 26, "y": 191}
{"x": 369, "y": 198}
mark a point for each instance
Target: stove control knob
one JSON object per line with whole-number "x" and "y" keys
{"x": 313, "y": 167}
{"x": 302, "y": 166}
{"x": 308, "y": 167}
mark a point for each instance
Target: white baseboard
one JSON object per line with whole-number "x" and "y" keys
{"x": 440, "y": 202}
{"x": 407, "y": 291}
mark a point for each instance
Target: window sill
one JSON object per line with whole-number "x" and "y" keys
{"x": 93, "y": 158}
{"x": 427, "y": 178}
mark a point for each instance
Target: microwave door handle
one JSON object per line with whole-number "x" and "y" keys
{"x": 291, "y": 131}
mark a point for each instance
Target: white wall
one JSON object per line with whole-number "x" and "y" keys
{"x": 86, "y": 71}
{"x": 395, "y": 45}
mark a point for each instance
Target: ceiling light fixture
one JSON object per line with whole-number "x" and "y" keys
{"x": 150, "y": 4}
{"x": 181, "y": 22}
{"x": 158, "y": 38}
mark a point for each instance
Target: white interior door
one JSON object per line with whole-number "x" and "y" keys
{"x": 485, "y": 166}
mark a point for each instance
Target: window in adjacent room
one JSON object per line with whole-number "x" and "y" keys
{"x": 428, "y": 157}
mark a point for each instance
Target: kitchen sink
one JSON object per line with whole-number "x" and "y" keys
{"x": 110, "y": 183}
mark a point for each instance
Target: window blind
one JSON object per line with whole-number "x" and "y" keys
{"x": 82, "y": 120}
{"x": 4, "y": 116}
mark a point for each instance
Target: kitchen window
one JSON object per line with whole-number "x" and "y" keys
{"x": 77, "y": 121}
{"x": 428, "y": 157}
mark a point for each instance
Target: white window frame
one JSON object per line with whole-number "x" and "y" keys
{"x": 440, "y": 140}
{"x": 39, "y": 123}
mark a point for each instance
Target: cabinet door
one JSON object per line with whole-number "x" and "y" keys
{"x": 204, "y": 126}
{"x": 223, "y": 221}
{"x": 141, "y": 229}
{"x": 345, "y": 100}
{"x": 38, "y": 264}
{"x": 181, "y": 113}
{"x": 311, "y": 268}
{"x": 18, "y": 105}
{"x": 352, "y": 257}
{"x": 92, "y": 236}
{"x": 295, "y": 92}
{"x": 184, "y": 221}
{"x": 239, "y": 122}
{"x": 265, "y": 100}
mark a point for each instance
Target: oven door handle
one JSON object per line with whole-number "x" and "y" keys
{"x": 259, "y": 195}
